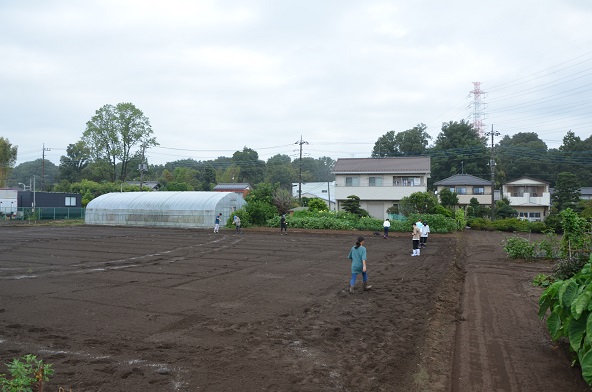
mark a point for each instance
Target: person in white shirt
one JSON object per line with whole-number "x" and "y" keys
{"x": 386, "y": 225}
{"x": 425, "y": 230}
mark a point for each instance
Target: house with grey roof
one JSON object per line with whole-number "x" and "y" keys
{"x": 467, "y": 187}
{"x": 380, "y": 182}
{"x": 242, "y": 189}
{"x": 586, "y": 193}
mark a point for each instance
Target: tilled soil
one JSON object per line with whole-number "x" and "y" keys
{"x": 145, "y": 309}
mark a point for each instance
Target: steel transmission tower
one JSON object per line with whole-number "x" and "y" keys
{"x": 477, "y": 105}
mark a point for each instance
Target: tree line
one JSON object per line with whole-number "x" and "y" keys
{"x": 117, "y": 138}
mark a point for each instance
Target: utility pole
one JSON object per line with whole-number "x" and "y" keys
{"x": 141, "y": 167}
{"x": 301, "y": 142}
{"x": 492, "y": 167}
{"x": 43, "y": 166}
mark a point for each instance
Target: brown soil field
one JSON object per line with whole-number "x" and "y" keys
{"x": 147, "y": 309}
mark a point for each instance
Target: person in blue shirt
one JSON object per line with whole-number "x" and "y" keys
{"x": 217, "y": 223}
{"x": 357, "y": 255}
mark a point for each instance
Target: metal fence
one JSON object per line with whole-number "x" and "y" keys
{"x": 39, "y": 213}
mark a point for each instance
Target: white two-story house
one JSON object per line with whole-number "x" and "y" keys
{"x": 380, "y": 182}
{"x": 529, "y": 197}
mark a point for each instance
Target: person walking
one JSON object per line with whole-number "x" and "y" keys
{"x": 386, "y": 225}
{"x": 425, "y": 230}
{"x": 357, "y": 255}
{"x": 283, "y": 225}
{"x": 416, "y": 233}
{"x": 237, "y": 223}
{"x": 217, "y": 223}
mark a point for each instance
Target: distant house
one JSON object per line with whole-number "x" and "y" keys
{"x": 380, "y": 182}
{"x": 321, "y": 190}
{"x": 466, "y": 187}
{"x": 13, "y": 201}
{"x": 586, "y": 193}
{"x": 240, "y": 188}
{"x": 529, "y": 197}
{"x": 152, "y": 185}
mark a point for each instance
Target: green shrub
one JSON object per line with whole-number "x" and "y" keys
{"x": 566, "y": 268}
{"x": 543, "y": 280}
{"x": 244, "y": 217}
{"x": 25, "y": 373}
{"x": 438, "y": 223}
{"x": 519, "y": 248}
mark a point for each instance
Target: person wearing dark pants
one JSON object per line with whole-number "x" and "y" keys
{"x": 283, "y": 225}
{"x": 357, "y": 255}
{"x": 386, "y": 225}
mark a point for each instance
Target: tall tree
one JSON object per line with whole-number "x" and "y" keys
{"x": 26, "y": 171}
{"x": 8, "y": 154}
{"x": 413, "y": 141}
{"x": 117, "y": 134}
{"x": 567, "y": 191}
{"x": 459, "y": 148}
{"x": 252, "y": 169}
{"x": 74, "y": 162}
{"x": 522, "y": 154}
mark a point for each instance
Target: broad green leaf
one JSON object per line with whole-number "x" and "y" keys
{"x": 544, "y": 306}
{"x": 554, "y": 325}
{"x": 589, "y": 328}
{"x": 586, "y": 364}
{"x": 580, "y": 304}
{"x": 576, "y": 331}
{"x": 567, "y": 293}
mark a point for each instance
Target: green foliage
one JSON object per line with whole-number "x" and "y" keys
{"x": 438, "y": 223}
{"x": 567, "y": 191}
{"x": 570, "y": 306}
{"x": 566, "y": 268}
{"x": 410, "y": 142}
{"x": 418, "y": 202}
{"x": 352, "y": 205}
{"x": 503, "y": 210}
{"x": 509, "y": 224}
{"x": 25, "y": 373}
{"x": 576, "y": 240}
{"x": 519, "y": 248}
{"x": 259, "y": 212}
{"x": 448, "y": 199}
{"x": 317, "y": 204}
{"x": 543, "y": 280}
{"x": 282, "y": 200}
{"x": 460, "y": 218}
{"x": 244, "y": 216}
{"x": 263, "y": 191}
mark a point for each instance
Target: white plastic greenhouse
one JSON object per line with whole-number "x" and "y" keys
{"x": 171, "y": 209}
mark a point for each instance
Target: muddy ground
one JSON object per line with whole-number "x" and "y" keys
{"x": 144, "y": 309}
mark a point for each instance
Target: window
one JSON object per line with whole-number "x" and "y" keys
{"x": 452, "y": 190}
{"x": 478, "y": 191}
{"x": 535, "y": 214}
{"x": 352, "y": 181}
{"x": 70, "y": 201}
{"x": 461, "y": 191}
{"x": 375, "y": 181}
{"x": 411, "y": 181}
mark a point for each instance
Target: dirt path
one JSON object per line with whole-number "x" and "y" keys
{"x": 136, "y": 309}
{"x": 501, "y": 345}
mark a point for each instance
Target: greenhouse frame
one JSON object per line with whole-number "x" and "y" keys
{"x": 170, "y": 209}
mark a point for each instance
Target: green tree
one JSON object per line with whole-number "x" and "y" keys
{"x": 25, "y": 172}
{"x": 522, "y": 154}
{"x": 418, "y": 202}
{"x": 252, "y": 170}
{"x": 413, "y": 141}
{"x": 116, "y": 134}
{"x": 352, "y": 205}
{"x": 448, "y": 199}
{"x": 282, "y": 174}
{"x": 459, "y": 148}
{"x": 8, "y": 154}
{"x": 503, "y": 209}
{"x": 567, "y": 191}
{"x": 282, "y": 200}
{"x": 74, "y": 162}
{"x": 317, "y": 204}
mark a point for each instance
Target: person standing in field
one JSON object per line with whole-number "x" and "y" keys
{"x": 386, "y": 225}
{"x": 283, "y": 225}
{"x": 425, "y": 230}
{"x": 217, "y": 223}
{"x": 416, "y": 233}
{"x": 357, "y": 255}
{"x": 237, "y": 223}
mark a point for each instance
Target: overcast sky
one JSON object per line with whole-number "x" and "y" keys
{"x": 216, "y": 76}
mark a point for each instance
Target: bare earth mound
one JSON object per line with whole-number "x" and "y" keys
{"x": 140, "y": 309}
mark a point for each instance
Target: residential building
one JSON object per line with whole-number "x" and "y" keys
{"x": 380, "y": 182}
{"x": 467, "y": 187}
{"x": 586, "y": 193}
{"x": 529, "y": 197}
{"x": 240, "y": 188}
{"x": 321, "y": 190}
